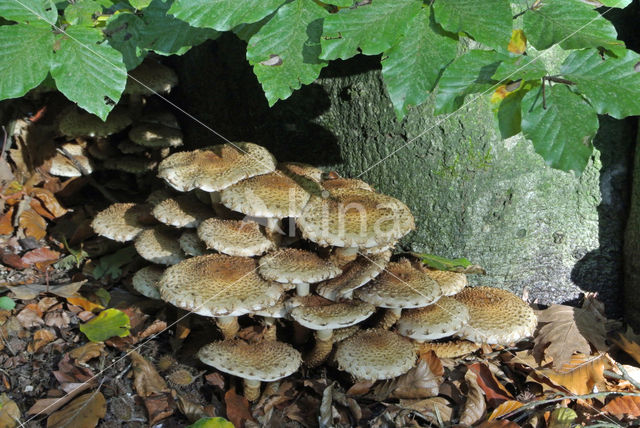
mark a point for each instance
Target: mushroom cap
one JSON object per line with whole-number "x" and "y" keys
{"x": 191, "y": 244}
{"x": 61, "y": 166}
{"x": 145, "y": 281}
{"x": 155, "y": 135}
{"x": 217, "y": 285}
{"x": 375, "y": 354}
{"x": 323, "y": 314}
{"x": 120, "y": 221}
{"x": 450, "y": 349}
{"x": 182, "y": 211}
{"x": 442, "y": 319}
{"x": 265, "y": 361}
{"x": 279, "y": 310}
{"x": 102, "y": 149}
{"x": 346, "y": 183}
{"x": 272, "y": 195}
{"x": 214, "y": 168}
{"x": 354, "y": 275}
{"x": 400, "y": 286}
{"x": 158, "y": 195}
{"x": 355, "y": 218}
{"x": 159, "y": 245}
{"x": 154, "y": 76}
{"x": 234, "y": 237}
{"x": 290, "y": 265}
{"x": 498, "y": 317}
{"x": 301, "y": 169}
{"x": 160, "y": 115}
{"x": 128, "y": 147}
{"x": 78, "y": 123}
{"x": 131, "y": 164}
{"x": 451, "y": 283}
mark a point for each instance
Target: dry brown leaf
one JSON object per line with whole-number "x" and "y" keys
{"x": 580, "y": 374}
{"x": 84, "y": 353}
{"x": 70, "y": 373}
{"x": 435, "y": 365}
{"x": 419, "y": 382}
{"x": 46, "y": 406}
{"x": 33, "y": 224}
{"x": 626, "y": 406}
{"x": 567, "y": 330}
{"x": 193, "y": 411}
{"x": 41, "y": 338}
{"x": 30, "y": 316}
{"x": 47, "y": 204}
{"x": 498, "y": 423}
{"x": 505, "y": 408}
{"x": 628, "y": 342}
{"x": 215, "y": 379}
{"x": 237, "y": 408}
{"x": 495, "y": 392}
{"x": 146, "y": 381}
{"x": 31, "y": 291}
{"x": 157, "y": 326}
{"x": 13, "y": 260}
{"x": 85, "y": 304}
{"x": 40, "y": 255}
{"x": 6, "y": 222}
{"x": 159, "y": 407}
{"x": 475, "y": 406}
{"x": 83, "y": 412}
{"x": 434, "y": 409}
{"x": 9, "y": 412}
{"x": 360, "y": 388}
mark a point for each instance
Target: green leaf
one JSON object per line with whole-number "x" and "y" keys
{"x": 108, "y": 323}
{"x": 373, "y": 28}
{"x": 104, "y": 296}
{"x": 25, "y": 59}
{"x": 110, "y": 265}
{"x": 442, "y": 263}
{"x": 211, "y": 423}
{"x": 340, "y": 3}
{"x": 509, "y": 114}
{"x": 29, "y": 11}
{"x": 284, "y": 53}
{"x": 523, "y": 67}
{"x": 222, "y": 15}
{"x": 615, "y": 3}
{"x": 489, "y": 21}
{"x": 7, "y": 303}
{"x": 88, "y": 73}
{"x": 468, "y": 74}
{"x": 414, "y": 64}
{"x": 612, "y": 85}
{"x": 571, "y": 23}
{"x": 563, "y": 141}
{"x": 124, "y": 32}
{"x": 81, "y": 12}
{"x": 246, "y": 31}
{"x": 140, "y": 4}
{"x": 167, "y": 35}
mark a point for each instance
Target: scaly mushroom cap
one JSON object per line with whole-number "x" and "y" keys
{"x": 272, "y": 195}
{"x": 182, "y": 211}
{"x": 214, "y": 168}
{"x": 265, "y": 361}
{"x": 150, "y": 77}
{"x": 159, "y": 245}
{"x": 290, "y": 265}
{"x": 498, "y": 317}
{"x": 301, "y": 169}
{"x": 355, "y": 218}
{"x": 321, "y": 314}
{"x": 61, "y": 166}
{"x": 158, "y": 195}
{"x": 155, "y": 135}
{"x": 376, "y": 354}
{"x": 442, "y": 319}
{"x": 131, "y": 164}
{"x": 400, "y": 286}
{"x": 451, "y": 283}
{"x": 120, "y": 221}
{"x": 279, "y": 310}
{"x": 234, "y": 237}
{"x": 78, "y": 123}
{"x": 354, "y": 275}
{"x": 145, "y": 281}
{"x": 218, "y": 285}
{"x": 346, "y": 183}
{"x": 191, "y": 244}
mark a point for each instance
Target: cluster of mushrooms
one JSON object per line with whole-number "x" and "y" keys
{"x": 236, "y": 234}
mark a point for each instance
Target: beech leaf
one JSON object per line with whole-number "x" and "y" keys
{"x": 625, "y": 406}
{"x": 84, "y": 411}
{"x": 419, "y": 382}
{"x": 108, "y": 323}
{"x": 475, "y": 406}
{"x": 146, "y": 381}
{"x": 580, "y": 374}
{"x": 9, "y": 412}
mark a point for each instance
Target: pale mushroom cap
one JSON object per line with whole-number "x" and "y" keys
{"x": 145, "y": 281}
{"x": 332, "y": 315}
{"x": 442, "y": 319}
{"x": 355, "y": 218}
{"x": 78, "y": 123}
{"x": 450, "y": 283}
{"x": 379, "y": 249}
{"x": 191, "y": 244}
{"x": 234, "y": 237}
{"x": 218, "y": 285}
{"x": 376, "y": 354}
{"x": 290, "y": 265}
{"x": 155, "y": 135}
{"x": 265, "y": 361}
{"x": 120, "y": 221}
{"x": 61, "y": 166}
{"x": 400, "y": 286}
{"x": 131, "y": 164}
{"x": 182, "y": 211}
{"x": 214, "y": 168}
{"x": 271, "y": 195}
{"x": 498, "y": 317}
{"x": 346, "y": 183}
{"x": 302, "y": 169}
{"x": 154, "y": 77}
{"x": 159, "y": 245}
{"x": 354, "y": 275}
{"x": 279, "y": 310}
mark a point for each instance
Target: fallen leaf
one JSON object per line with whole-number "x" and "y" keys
{"x": 9, "y": 412}
{"x": 41, "y": 338}
{"x": 159, "y": 407}
{"x": 215, "y": 379}
{"x": 237, "y": 408}
{"x": 48, "y": 205}
{"x": 31, "y": 291}
{"x": 109, "y": 323}
{"x": 579, "y": 375}
{"x": 191, "y": 410}
{"x": 518, "y": 42}
{"x": 83, "y": 412}
{"x": 146, "y": 381}
{"x": 59, "y": 319}
{"x": 628, "y": 342}
{"x": 30, "y": 316}
{"x": 495, "y": 392}
{"x": 498, "y": 423}
{"x": 13, "y": 260}
{"x": 85, "y": 304}
{"x": 360, "y": 388}
{"x": 562, "y": 417}
{"x": 327, "y": 414}
{"x": 86, "y": 352}
{"x": 474, "y": 406}
{"x": 46, "y": 406}
{"x": 434, "y": 409}
{"x": 7, "y": 303}
{"x": 419, "y": 382}
{"x": 212, "y": 423}
{"x": 625, "y": 406}
{"x": 6, "y": 222}
{"x": 435, "y": 365}
{"x": 33, "y": 224}
{"x": 505, "y": 408}
{"x": 70, "y": 373}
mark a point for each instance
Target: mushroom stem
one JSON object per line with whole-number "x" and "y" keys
{"x": 390, "y": 317}
{"x": 302, "y": 289}
{"x": 322, "y": 348}
{"x": 214, "y": 197}
{"x": 344, "y": 255}
{"x": 270, "y": 332}
{"x": 251, "y": 389}
{"x": 228, "y": 326}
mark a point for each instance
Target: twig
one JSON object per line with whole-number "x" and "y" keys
{"x": 87, "y": 174}
{"x": 627, "y": 376}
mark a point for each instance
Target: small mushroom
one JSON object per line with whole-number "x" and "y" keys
{"x": 145, "y": 281}
{"x": 354, "y": 275}
{"x": 63, "y": 166}
{"x": 155, "y": 135}
{"x": 442, "y": 319}
{"x": 149, "y": 78}
{"x": 78, "y": 123}
{"x": 120, "y": 221}
{"x": 449, "y": 349}
{"x": 182, "y": 211}
{"x": 234, "y": 237}
{"x": 159, "y": 245}
{"x": 191, "y": 244}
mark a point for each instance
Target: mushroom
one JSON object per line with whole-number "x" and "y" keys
{"x": 346, "y": 183}
{"x": 145, "y": 281}
{"x": 159, "y": 245}
{"x": 220, "y": 286}
{"x": 399, "y": 286}
{"x": 375, "y": 354}
{"x": 78, "y": 123}
{"x": 131, "y": 164}
{"x": 62, "y": 166}
{"x": 269, "y": 315}
{"x": 322, "y": 315}
{"x": 498, "y": 317}
{"x": 191, "y": 244}
{"x": 155, "y": 135}
{"x": 297, "y": 267}
{"x": 149, "y": 78}
{"x": 264, "y": 361}
{"x": 182, "y": 211}
{"x": 354, "y": 275}
{"x": 442, "y": 319}
{"x": 449, "y": 349}
{"x": 120, "y": 221}
{"x": 294, "y": 169}
{"x": 234, "y": 237}
{"x": 451, "y": 283}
